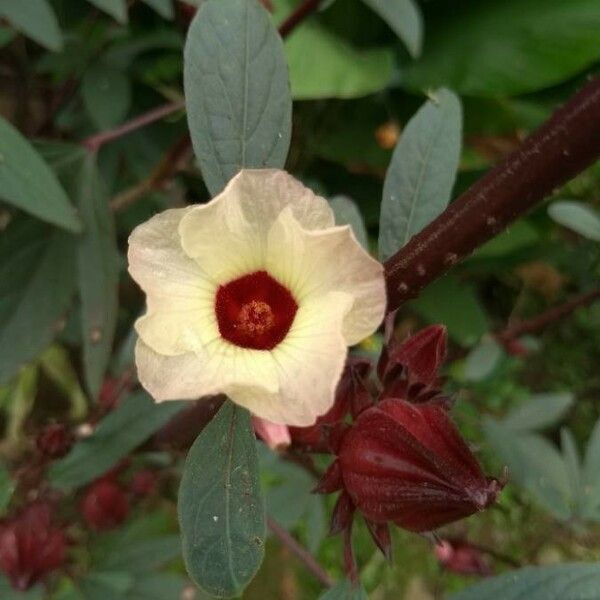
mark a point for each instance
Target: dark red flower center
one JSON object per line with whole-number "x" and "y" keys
{"x": 255, "y": 311}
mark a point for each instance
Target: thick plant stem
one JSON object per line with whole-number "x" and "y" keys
{"x": 304, "y": 10}
{"x": 560, "y": 149}
{"x": 513, "y": 332}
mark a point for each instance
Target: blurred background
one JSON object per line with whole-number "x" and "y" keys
{"x": 73, "y": 70}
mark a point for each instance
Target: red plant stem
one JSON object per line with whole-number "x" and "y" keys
{"x": 299, "y": 551}
{"x": 562, "y": 147}
{"x": 95, "y": 142}
{"x": 548, "y": 317}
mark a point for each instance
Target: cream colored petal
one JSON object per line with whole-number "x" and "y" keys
{"x": 313, "y": 263}
{"x": 193, "y": 375}
{"x": 309, "y": 363}
{"x": 180, "y": 297}
{"x": 228, "y": 236}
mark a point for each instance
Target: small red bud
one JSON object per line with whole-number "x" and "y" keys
{"x": 407, "y": 463}
{"x": 30, "y": 546}
{"x": 144, "y": 483}
{"x": 423, "y": 354}
{"x": 54, "y": 441}
{"x": 104, "y": 505}
{"x": 462, "y": 557}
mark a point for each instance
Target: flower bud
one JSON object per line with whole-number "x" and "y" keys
{"x": 30, "y": 547}
{"x": 274, "y": 435}
{"x": 54, "y": 441}
{"x": 407, "y": 463}
{"x": 459, "y": 556}
{"x": 104, "y": 505}
{"x": 144, "y": 483}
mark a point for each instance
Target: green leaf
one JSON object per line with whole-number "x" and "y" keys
{"x": 106, "y": 93}
{"x": 158, "y": 586}
{"x": 163, "y": 7}
{"x": 110, "y": 584}
{"x": 115, "y": 8}
{"x": 6, "y": 36}
{"x": 28, "y": 183}
{"x": 120, "y": 432}
{"x": 36, "y": 20}
{"x": 344, "y": 590}
{"x": 572, "y": 461}
{"x": 570, "y": 581}
{"x": 98, "y": 273}
{"x": 421, "y": 176}
{"x": 221, "y": 510}
{"x": 7, "y": 487}
{"x": 534, "y": 464}
{"x": 142, "y": 555}
{"x": 236, "y": 89}
{"x": 404, "y": 17}
{"x": 591, "y": 476}
{"x": 22, "y": 401}
{"x": 346, "y": 213}
{"x": 508, "y": 47}
{"x": 539, "y": 412}
{"x": 7, "y": 592}
{"x": 578, "y": 217}
{"x": 323, "y": 65}
{"x": 456, "y": 305}
{"x": 37, "y": 283}
{"x": 482, "y": 360}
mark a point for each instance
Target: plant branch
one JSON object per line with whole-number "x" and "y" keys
{"x": 561, "y": 148}
{"x": 299, "y": 551}
{"x": 95, "y": 142}
{"x": 548, "y": 317}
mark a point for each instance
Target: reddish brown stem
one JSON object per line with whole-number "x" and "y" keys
{"x": 548, "y": 317}
{"x": 299, "y": 551}
{"x": 95, "y": 142}
{"x": 562, "y": 147}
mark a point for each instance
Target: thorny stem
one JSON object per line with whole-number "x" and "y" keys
{"x": 299, "y": 551}
{"x": 548, "y": 317}
{"x": 95, "y": 142}
{"x": 560, "y": 149}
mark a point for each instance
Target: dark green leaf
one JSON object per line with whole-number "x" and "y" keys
{"x": 236, "y": 89}
{"x": 115, "y": 8}
{"x": 7, "y": 487}
{"x": 221, "y": 510}
{"x": 507, "y": 47}
{"x": 125, "y": 428}
{"x": 404, "y": 17}
{"x": 591, "y": 475}
{"x": 8, "y": 593}
{"x": 578, "y": 217}
{"x": 110, "y": 584}
{"x": 539, "y": 412}
{"x": 421, "y": 176}
{"x": 456, "y": 305}
{"x": 142, "y": 555}
{"x": 28, "y": 183}
{"x": 106, "y": 95}
{"x": 163, "y": 7}
{"x": 574, "y": 581}
{"x": 6, "y": 36}
{"x": 158, "y": 586}
{"x": 344, "y": 590}
{"x": 37, "y": 283}
{"x": 346, "y": 213}
{"x": 35, "y": 19}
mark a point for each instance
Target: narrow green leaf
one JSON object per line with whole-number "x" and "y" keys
{"x": 578, "y": 217}
{"x": 572, "y": 461}
{"x": 346, "y": 213}
{"x": 142, "y": 555}
{"x": 482, "y": 360}
{"x": 236, "y": 89}
{"x": 421, "y": 175}
{"x": 28, "y": 183}
{"x": 570, "y": 581}
{"x": 23, "y": 398}
{"x": 404, "y": 17}
{"x": 37, "y": 283}
{"x": 35, "y": 19}
{"x": 221, "y": 510}
{"x": 123, "y": 430}
{"x": 591, "y": 475}
{"x": 106, "y": 93}
{"x": 539, "y": 412}
{"x": 163, "y": 7}
{"x": 7, "y": 487}
{"x": 115, "y": 8}
{"x": 344, "y": 590}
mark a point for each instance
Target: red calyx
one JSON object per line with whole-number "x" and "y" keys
{"x": 30, "y": 546}
{"x": 54, "y": 441}
{"x": 459, "y": 556}
{"x": 104, "y": 505}
{"x": 144, "y": 483}
{"x": 255, "y": 311}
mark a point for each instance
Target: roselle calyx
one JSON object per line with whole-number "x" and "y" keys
{"x": 104, "y": 505}
{"x": 462, "y": 557}
{"x": 406, "y": 464}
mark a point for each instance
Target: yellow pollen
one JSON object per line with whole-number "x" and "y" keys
{"x": 255, "y": 318}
